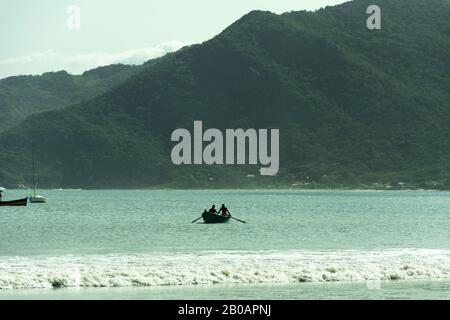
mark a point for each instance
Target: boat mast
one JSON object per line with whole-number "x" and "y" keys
{"x": 34, "y": 172}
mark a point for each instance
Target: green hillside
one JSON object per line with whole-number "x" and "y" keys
{"x": 22, "y": 96}
{"x": 356, "y": 108}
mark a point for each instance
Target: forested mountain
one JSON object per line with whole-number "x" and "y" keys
{"x": 355, "y": 107}
{"x": 22, "y": 96}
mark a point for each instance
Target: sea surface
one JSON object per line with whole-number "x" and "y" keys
{"x": 295, "y": 245}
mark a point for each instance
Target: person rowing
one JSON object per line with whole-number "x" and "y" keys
{"x": 213, "y": 210}
{"x": 224, "y": 211}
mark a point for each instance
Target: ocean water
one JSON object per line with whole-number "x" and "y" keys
{"x": 295, "y": 245}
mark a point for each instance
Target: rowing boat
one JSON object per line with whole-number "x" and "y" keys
{"x": 215, "y": 218}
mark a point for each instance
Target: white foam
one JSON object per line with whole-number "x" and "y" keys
{"x": 236, "y": 267}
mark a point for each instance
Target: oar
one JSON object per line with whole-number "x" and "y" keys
{"x": 196, "y": 220}
{"x": 237, "y": 219}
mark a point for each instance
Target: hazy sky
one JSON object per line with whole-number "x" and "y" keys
{"x": 35, "y": 38}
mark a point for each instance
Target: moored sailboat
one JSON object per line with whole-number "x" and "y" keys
{"x": 35, "y": 198}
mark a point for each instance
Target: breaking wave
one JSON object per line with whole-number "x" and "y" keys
{"x": 230, "y": 267}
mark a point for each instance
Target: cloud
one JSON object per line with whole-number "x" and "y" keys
{"x": 40, "y": 62}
